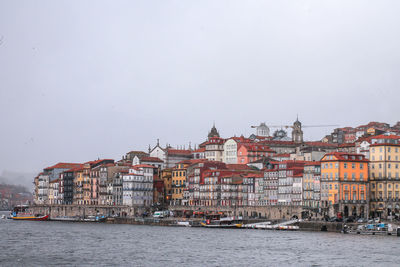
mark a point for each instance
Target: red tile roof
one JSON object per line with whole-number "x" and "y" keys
{"x": 386, "y": 137}
{"x": 171, "y": 151}
{"x": 341, "y": 156}
{"x": 314, "y": 163}
{"x": 63, "y": 165}
{"x": 200, "y": 150}
{"x": 347, "y": 145}
{"x": 256, "y": 148}
{"x": 151, "y": 159}
{"x": 320, "y": 144}
{"x": 238, "y": 167}
{"x": 144, "y": 166}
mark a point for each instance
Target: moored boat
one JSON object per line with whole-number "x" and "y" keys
{"x": 216, "y": 221}
{"x": 21, "y": 212}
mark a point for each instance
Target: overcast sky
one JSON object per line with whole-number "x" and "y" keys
{"x": 86, "y": 79}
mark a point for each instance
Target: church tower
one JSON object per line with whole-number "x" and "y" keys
{"x": 213, "y": 132}
{"x": 297, "y": 133}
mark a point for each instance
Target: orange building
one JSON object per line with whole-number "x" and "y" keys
{"x": 344, "y": 184}
{"x": 251, "y": 152}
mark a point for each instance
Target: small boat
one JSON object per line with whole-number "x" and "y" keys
{"x": 373, "y": 229}
{"x": 101, "y": 218}
{"x": 216, "y": 221}
{"x": 67, "y": 219}
{"x": 183, "y": 223}
{"x": 21, "y": 212}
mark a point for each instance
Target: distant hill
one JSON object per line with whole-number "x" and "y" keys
{"x": 18, "y": 178}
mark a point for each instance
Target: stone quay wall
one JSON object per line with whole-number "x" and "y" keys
{"x": 268, "y": 212}
{"x": 86, "y": 210}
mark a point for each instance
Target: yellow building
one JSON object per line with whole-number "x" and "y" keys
{"x": 384, "y": 176}
{"x": 166, "y": 176}
{"x": 179, "y": 181}
{"x": 78, "y": 186}
{"x": 344, "y": 184}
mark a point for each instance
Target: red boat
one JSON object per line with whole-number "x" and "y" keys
{"x": 20, "y": 213}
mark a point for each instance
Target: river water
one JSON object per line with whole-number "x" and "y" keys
{"x": 25, "y": 243}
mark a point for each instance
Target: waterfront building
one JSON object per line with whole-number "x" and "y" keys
{"x": 67, "y": 184}
{"x": 107, "y": 173}
{"x": 50, "y": 174}
{"x": 78, "y": 186}
{"x": 290, "y": 175}
{"x": 158, "y": 190}
{"x": 43, "y": 188}
{"x": 252, "y": 152}
{"x": 271, "y": 185}
{"x": 195, "y": 176}
{"x": 51, "y": 192}
{"x": 179, "y": 173}
{"x": 166, "y": 177}
{"x": 117, "y": 187}
{"x": 231, "y": 186}
{"x": 384, "y": 176}
{"x": 344, "y": 184}
{"x": 137, "y": 186}
{"x": 36, "y": 190}
{"x": 312, "y": 185}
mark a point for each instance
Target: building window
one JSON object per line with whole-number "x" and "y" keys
{"x": 345, "y": 165}
{"x": 353, "y": 165}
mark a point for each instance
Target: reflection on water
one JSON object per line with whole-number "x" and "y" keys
{"x": 59, "y": 243}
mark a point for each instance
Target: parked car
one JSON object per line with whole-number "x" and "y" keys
{"x": 349, "y": 219}
{"x": 335, "y": 219}
{"x": 362, "y": 220}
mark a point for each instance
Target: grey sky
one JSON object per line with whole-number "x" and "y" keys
{"x": 99, "y": 78}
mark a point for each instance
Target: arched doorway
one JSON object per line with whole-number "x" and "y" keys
{"x": 354, "y": 211}
{"x": 346, "y": 211}
{"x": 362, "y": 212}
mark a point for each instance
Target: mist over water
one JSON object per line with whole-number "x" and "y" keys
{"x": 26, "y": 243}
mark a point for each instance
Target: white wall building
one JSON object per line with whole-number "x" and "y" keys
{"x": 137, "y": 186}
{"x": 230, "y": 152}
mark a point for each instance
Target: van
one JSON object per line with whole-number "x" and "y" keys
{"x": 158, "y": 214}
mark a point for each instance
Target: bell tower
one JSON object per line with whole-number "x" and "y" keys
{"x": 297, "y": 133}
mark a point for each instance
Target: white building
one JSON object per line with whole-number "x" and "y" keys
{"x": 137, "y": 186}
{"x": 214, "y": 149}
{"x": 43, "y": 189}
{"x": 230, "y": 151}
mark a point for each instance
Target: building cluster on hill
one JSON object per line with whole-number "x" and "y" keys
{"x": 353, "y": 171}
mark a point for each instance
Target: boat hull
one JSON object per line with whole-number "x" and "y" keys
{"x": 31, "y": 218}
